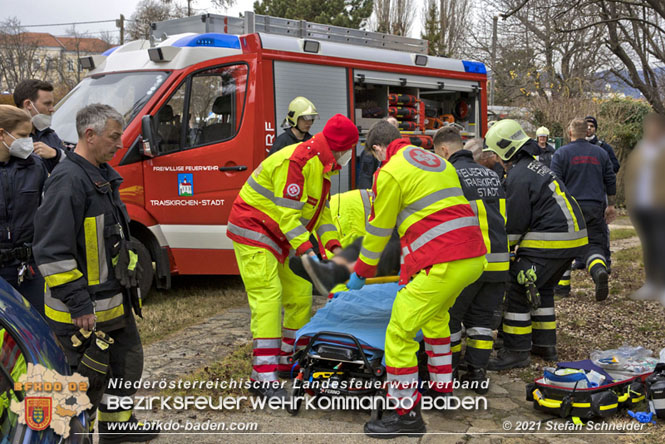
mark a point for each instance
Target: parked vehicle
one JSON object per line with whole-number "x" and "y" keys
{"x": 203, "y": 106}
{"x": 21, "y": 324}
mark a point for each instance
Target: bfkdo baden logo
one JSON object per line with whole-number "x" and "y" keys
{"x": 38, "y": 412}
{"x": 50, "y": 400}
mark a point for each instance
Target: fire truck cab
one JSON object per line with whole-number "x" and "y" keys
{"x": 205, "y": 97}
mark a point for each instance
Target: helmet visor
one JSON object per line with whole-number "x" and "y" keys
{"x": 310, "y": 117}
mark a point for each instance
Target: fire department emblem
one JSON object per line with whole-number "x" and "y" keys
{"x": 423, "y": 159}
{"x": 38, "y": 412}
{"x": 185, "y": 185}
{"x": 293, "y": 190}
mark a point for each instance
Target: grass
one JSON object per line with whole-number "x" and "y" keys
{"x": 622, "y": 233}
{"x": 235, "y": 366}
{"x": 191, "y": 300}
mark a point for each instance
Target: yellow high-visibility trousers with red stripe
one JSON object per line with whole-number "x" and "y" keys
{"x": 423, "y": 304}
{"x": 270, "y": 287}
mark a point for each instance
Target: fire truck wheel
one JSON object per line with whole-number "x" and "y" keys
{"x": 146, "y": 264}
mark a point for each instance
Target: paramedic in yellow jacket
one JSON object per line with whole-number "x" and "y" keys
{"x": 350, "y": 211}
{"x": 285, "y": 200}
{"x": 442, "y": 250}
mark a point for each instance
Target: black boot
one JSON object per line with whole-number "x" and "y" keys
{"x": 325, "y": 274}
{"x": 561, "y": 291}
{"x": 507, "y": 359}
{"x": 129, "y": 431}
{"x": 547, "y": 353}
{"x": 476, "y": 376}
{"x": 295, "y": 264}
{"x": 393, "y": 425}
{"x": 600, "y": 278}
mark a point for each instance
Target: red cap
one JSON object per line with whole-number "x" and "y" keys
{"x": 341, "y": 133}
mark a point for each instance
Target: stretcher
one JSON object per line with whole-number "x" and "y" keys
{"x": 344, "y": 355}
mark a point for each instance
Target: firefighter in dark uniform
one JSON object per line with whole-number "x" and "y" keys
{"x": 592, "y": 127}
{"x": 476, "y": 305}
{"x": 22, "y": 177}
{"x": 36, "y": 98}
{"x": 547, "y": 227}
{"x": 299, "y": 120}
{"x": 591, "y": 137}
{"x": 587, "y": 171}
{"x": 82, "y": 250}
{"x": 546, "y": 150}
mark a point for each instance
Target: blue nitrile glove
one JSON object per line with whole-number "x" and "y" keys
{"x": 355, "y": 282}
{"x": 313, "y": 257}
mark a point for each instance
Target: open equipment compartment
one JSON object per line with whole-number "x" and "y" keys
{"x": 421, "y": 104}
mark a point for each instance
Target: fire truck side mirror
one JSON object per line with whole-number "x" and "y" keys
{"x": 149, "y": 146}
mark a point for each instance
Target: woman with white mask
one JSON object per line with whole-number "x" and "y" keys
{"x": 22, "y": 177}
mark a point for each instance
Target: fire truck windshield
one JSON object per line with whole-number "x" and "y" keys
{"x": 126, "y": 92}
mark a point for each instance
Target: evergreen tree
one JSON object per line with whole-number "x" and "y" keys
{"x": 347, "y": 13}
{"x": 432, "y": 27}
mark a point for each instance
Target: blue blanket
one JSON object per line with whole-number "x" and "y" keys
{"x": 363, "y": 313}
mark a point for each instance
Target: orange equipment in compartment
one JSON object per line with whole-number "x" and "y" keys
{"x": 408, "y": 126}
{"x": 421, "y": 141}
{"x": 402, "y": 99}
{"x": 403, "y": 112}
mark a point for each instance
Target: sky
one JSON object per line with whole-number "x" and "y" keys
{"x": 37, "y": 12}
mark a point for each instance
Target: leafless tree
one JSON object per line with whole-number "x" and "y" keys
{"x": 454, "y": 18}
{"x": 150, "y": 11}
{"x": 402, "y": 14}
{"x": 394, "y": 16}
{"x": 20, "y": 57}
{"x": 547, "y": 62}
{"x": 632, "y": 30}
{"x": 67, "y": 65}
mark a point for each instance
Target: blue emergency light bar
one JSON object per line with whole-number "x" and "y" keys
{"x": 109, "y": 51}
{"x": 474, "y": 67}
{"x": 210, "y": 40}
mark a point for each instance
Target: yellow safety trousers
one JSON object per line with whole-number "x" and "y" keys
{"x": 271, "y": 286}
{"x": 423, "y": 305}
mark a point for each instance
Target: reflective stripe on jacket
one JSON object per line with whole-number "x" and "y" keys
{"x": 286, "y": 199}
{"x": 543, "y": 218}
{"x": 350, "y": 211}
{"x": 482, "y": 188}
{"x": 420, "y": 193}
{"x": 77, "y": 231}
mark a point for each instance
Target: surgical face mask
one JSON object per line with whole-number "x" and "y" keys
{"x": 40, "y": 121}
{"x": 344, "y": 158}
{"x": 21, "y": 148}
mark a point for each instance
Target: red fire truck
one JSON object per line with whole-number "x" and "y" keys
{"x": 204, "y": 98}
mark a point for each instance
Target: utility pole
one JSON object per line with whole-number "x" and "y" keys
{"x": 120, "y": 23}
{"x": 495, "y": 22}
{"x": 189, "y": 8}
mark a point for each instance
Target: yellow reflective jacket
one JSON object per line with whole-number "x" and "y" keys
{"x": 420, "y": 193}
{"x": 350, "y": 211}
{"x": 285, "y": 199}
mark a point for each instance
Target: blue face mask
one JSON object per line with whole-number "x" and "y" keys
{"x": 21, "y": 148}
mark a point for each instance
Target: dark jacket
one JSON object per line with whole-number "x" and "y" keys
{"x": 21, "y": 185}
{"x": 285, "y": 139}
{"x": 365, "y": 169}
{"x": 49, "y": 137}
{"x": 586, "y": 170}
{"x": 543, "y": 218}
{"x": 544, "y": 156}
{"x": 77, "y": 232}
{"x": 609, "y": 150}
{"x": 482, "y": 188}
